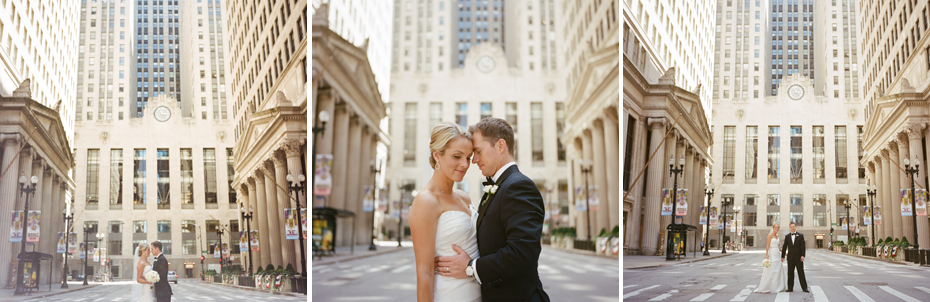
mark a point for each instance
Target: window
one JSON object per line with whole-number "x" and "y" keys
{"x": 773, "y": 199}
{"x": 818, "y": 145}
{"x": 819, "y": 200}
{"x": 163, "y": 198}
{"x": 139, "y": 186}
{"x": 116, "y": 179}
{"x": 859, "y": 134}
{"x": 93, "y": 165}
{"x": 536, "y": 117}
{"x": 796, "y": 155}
{"x": 485, "y": 110}
{"x": 116, "y": 226}
{"x": 188, "y": 247}
{"x": 752, "y": 143}
{"x": 797, "y": 218}
{"x": 774, "y": 161}
{"x": 139, "y": 227}
{"x": 461, "y": 114}
{"x": 750, "y": 199}
{"x": 187, "y": 179}
{"x": 209, "y": 166}
{"x": 773, "y": 218}
{"x": 164, "y": 226}
{"x": 797, "y": 199}
{"x": 750, "y": 220}
{"x": 820, "y": 219}
{"x": 628, "y": 152}
{"x": 729, "y": 152}
{"x": 841, "y": 163}
{"x": 410, "y": 135}
{"x": 115, "y": 246}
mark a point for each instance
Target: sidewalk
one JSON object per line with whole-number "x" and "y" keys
{"x": 346, "y": 253}
{"x": 580, "y": 252}
{"x": 6, "y": 295}
{"x": 911, "y": 264}
{"x": 254, "y": 289}
{"x": 639, "y": 261}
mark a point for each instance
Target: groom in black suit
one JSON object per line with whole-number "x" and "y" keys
{"x": 510, "y": 219}
{"x": 796, "y": 248}
{"x": 162, "y": 289}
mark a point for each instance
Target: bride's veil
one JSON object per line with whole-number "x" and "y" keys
{"x": 135, "y": 288}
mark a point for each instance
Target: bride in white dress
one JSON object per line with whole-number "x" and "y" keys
{"x": 441, "y": 217}
{"x": 141, "y": 290}
{"x": 774, "y": 277}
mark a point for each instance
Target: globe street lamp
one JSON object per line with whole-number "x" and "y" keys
{"x": 710, "y": 195}
{"x": 27, "y": 190}
{"x": 219, "y": 236}
{"x": 724, "y": 204}
{"x": 374, "y": 188}
{"x": 848, "y": 227}
{"x": 912, "y": 170}
{"x": 68, "y": 218}
{"x": 871, "y": 194}
{"x": 586, "y": 168}
{"x": 87, "y": 231}
{"x": 248, "y": 231}
{"x": 296, "y": 187}
{"x": 736, "y": 221}
{"x": 669, "y": 249}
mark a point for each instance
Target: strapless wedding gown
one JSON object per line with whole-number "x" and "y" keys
{"x": 456, "y": 227}
{"x": 774, "y": 277}
{"x": 148, "y": 294}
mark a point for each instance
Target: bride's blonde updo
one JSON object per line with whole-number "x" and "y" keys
{"x": 442, "y": 134}
{"x": 142, "y": 247}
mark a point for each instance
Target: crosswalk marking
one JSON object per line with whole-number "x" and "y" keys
{"x": 859, "y": 294}
{"x": 743, "y": 294}
{"x": 719, "y": 287}
{"x": 628, "y": 286}
{"x": 637, "y": 292}
{"x": 402, "y": 268}
{"x": 703, "y": 297}
{"x": 574, "y": 269}
{"x": 781, "y": 297}
{"x": 898, "y": 294}
{"x": 665, "y": 295}
{"x": 819, "y": 296}
{"x": 923, "y": 289}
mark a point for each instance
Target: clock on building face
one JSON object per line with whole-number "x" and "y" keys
{"x": 485, "y": 64}
{"x": 795, "y": 92}
{"x": 162, "y": 113}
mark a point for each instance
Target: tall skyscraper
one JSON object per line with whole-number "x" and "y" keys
{"x": 202, "y": 55}
{"x": 836, "y": 59}
{"x": 744, "y": 46}
{"x": 157, "y": 50}
{"x": 793, "y": 36}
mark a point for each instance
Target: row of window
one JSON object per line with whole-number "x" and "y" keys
{"x": 749, "y": 218}
{"x": 115, "y": 242}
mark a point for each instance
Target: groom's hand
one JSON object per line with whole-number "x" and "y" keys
{"x": 455, "y": 264}
{"x": 802, "y": 258}
{"x": 782, "y": 259}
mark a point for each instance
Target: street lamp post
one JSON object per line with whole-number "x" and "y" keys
{"x": 296, "y": 187}
{"x": 587, "y": 168}
{"x": 710, "y": 195}
{"x": 219, "y": 235}
{"x": 248, "y": 231}
{"x": 670, "y": 247}
{"x": 724, "y": 204}
{"x": 912, "y": 170}
{"x": 27, "y": 190}
{"x": 87, "y": 231}
{"x": 400, "y": 213}
{"x": 735, "y": 221}
{"x": 64, "y": 271}
{"x": 374, "y": 188}
{"x": 871, "y": 194}
{"x": 549, "y": 189}
{"x": 99, "y": 259}
{"x": 323, "y": 117}
{"x": 848, "y": 227}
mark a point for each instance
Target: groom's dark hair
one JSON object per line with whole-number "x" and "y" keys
{"x": 790, "y": 223}
{"x": 157, "y": 244}
{"x": 494, "y": 129}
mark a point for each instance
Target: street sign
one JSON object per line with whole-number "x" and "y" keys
{"x": 833, "y": 223}
{"x": 203, "y": 252}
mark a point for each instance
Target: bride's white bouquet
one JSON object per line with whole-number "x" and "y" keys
{"x": 152, "y": 276}
{"x": 766, "y": 262}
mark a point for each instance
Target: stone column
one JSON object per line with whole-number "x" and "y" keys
{"x": 353, "y": 188}
{"x": 38, "y": 203}
{"x": 894, "y": 201}
{"x": 293, "y": 150}
{"x": 339, "y": 149}
{"x": 886, "y": 194}
{"x": 243, "y": 200}
{"x": 9, "y": 190}
{"x": 680, "y": 148}
{"x": 612, "y": 144}
{"x": 25, "y": 162}
{"x": 653, "y": 202}
{"x": 705, "y": 231}
{"x": 914, "y": 134}
{"x": 284, "y": 202}
{"x": 696, "y": 196}
{"x": 632, "y": 230}
{"x": 49, "y": 239}
{"x": 686, "y": 181}
{"x": 264, "y": 228}
{"x": 588, "y": 179}
{"x": 363, "y": 167}
{"x": 904, "y": 182}
{"x": 600, "y": 179}
{"x": 275, "y": 227}
{"x": 904, "y": 151}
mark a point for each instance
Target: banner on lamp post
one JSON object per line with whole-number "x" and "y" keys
{"x": 703, "y": 219}
{"x": 243, "y": 242}
{"x": 843, "y": 225}
{"x": 72, "y": 243}
{"x": 906, "y": 209}
{"x": 382, "y": 201}
{"x": 713, "y": 216}
{"x": 581, "y": 204}
{"x": 96, "y": 255}
{"x": 16, "y": 229}
{"x": 921, "y": 202}
{"x": 878, "y": 215}
{"x": 81, "y": 254}
{"x": 322, "y": 177}
{"x": 216, "y": 250}
{"x": 682, "y": 207}
{"x": 593, "y": 202}
{"x": 33, "y": 229}
{"x": 666, "y": 202}
{"x": 866, "y": 215}
{"x": 62, "y": 242}
{"x": 290, "y": 228}
{"x": 303, "y": 220}
{"x": 225, "y": 249}
{"x": 253, "y": 241}
{"x": 368, "y": 203}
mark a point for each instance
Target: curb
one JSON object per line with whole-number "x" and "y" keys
{"x": 582, "y": 252}
{"x": 53, "y": 294}
{"x": 356, "y": 257}
{"x": 681, "y": 262}
{"x": 257, "y": 290}
{"x": 881, "y": 260}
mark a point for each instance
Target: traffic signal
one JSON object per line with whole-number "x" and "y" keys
{"x": 201, "y": 258}
{"x": 831, "y": 231}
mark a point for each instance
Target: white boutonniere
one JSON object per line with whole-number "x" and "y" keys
{"x": 489, "y": 191}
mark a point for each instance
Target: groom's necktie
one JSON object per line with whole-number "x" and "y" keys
{"x": 488, "y": 182}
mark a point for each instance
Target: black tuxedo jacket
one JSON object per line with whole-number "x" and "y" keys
{"x": 162, "y": 289}
{"x": 795, "y": 250}
{"x": 509, "y": 230}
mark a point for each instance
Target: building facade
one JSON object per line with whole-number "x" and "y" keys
{"x": 742, "y": 66}
{"x": 834, "y": 48}
{"x": 591, "y": 133}
{"x": 896, "y": 86}
{"x": 267, "y": 61}
{"x": 808, "y": 146}
{"x": 141, "y": 188}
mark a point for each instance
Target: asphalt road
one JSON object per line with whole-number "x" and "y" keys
{"x": 185, "y": 290}
{"x": 390, "y": 277}
{"x": 830, "y": 276}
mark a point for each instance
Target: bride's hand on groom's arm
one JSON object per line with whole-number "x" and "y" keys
{"x": 455, "y": 264}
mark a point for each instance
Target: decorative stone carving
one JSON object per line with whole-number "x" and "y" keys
{"x": 697, "y": 90}
{"x": 885, "y": 154}
{"x": 221, "y": 135}
{"x": 915, "y": 130}
{"x": 550, "y": 88}
{"x": 277, "y": 161}
{"x": 57, "y": 107}
{"x": 660, "y": 121}
{"x": 282, "y": 99}
{"x": 24, "y": 90}
{"x": 852, "y": 114}
{"x": 739, "y": 114}
{"x": 103, "y": 136}
{"x": 906, "y": 85}
{"x": 422, "y": 88}
{"x": 669, "y": 77}
{"x": 293, "y": 148}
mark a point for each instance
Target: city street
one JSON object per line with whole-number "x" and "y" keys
{"x": 390, "y": 277}
{"x": 185, "y": 290}
{"x": 830, "y": 276}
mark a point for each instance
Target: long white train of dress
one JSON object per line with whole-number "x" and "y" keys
{"x": 774, "y": 277}
{"x": 456, "y": 227}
